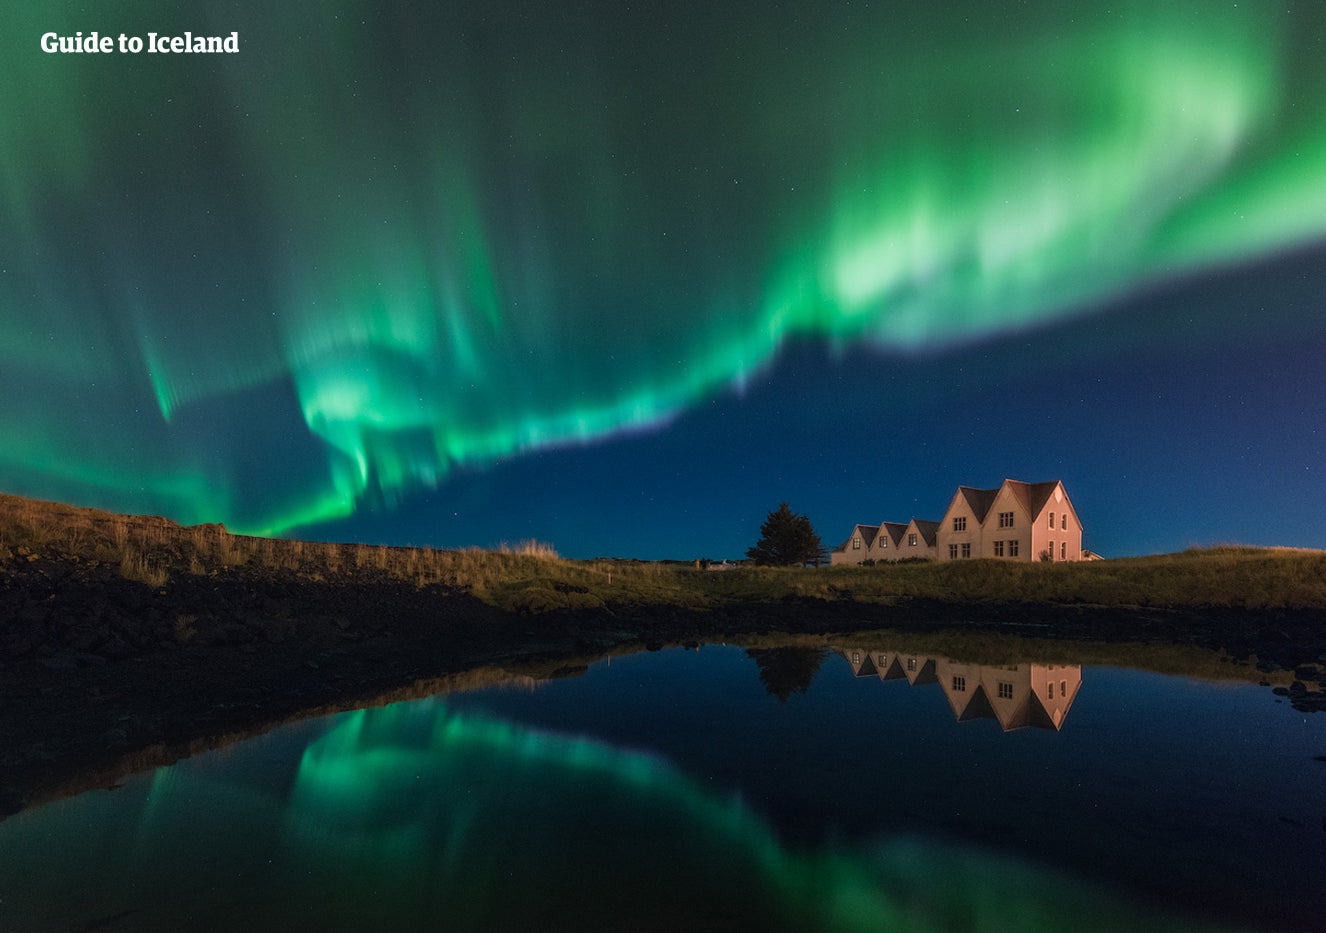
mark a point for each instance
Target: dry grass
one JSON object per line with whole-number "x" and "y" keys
{"x": 530, "y": 576}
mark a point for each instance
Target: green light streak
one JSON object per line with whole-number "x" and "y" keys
{"x": 439, "y": 243}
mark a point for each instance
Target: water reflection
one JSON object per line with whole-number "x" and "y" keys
{"x": 414, "y": 816}
{"x": 1017, "y": 696}
{"x": 785, "y": 671}
{"x": 674, "y": 790}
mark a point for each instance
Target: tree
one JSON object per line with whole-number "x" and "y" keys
{"x": 785, "y": 671}
{"x": 786, "y": 539}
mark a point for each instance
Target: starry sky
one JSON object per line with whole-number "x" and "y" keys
{"x": 624, "y": 276}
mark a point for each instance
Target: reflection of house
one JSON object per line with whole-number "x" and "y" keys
{"x": 1016, "y": 695}
{"x": 1017, "y": 520}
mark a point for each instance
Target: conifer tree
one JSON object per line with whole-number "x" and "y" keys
{"x": 787, "y": 539}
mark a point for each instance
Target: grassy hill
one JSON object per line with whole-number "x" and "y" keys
{"x": 531, "y": 578}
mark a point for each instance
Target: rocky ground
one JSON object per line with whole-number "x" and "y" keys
{"x": 100, "y": 675}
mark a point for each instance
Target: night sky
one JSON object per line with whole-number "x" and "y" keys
{"x": 624, "y": 276}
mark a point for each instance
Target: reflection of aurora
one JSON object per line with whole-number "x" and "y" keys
{"x": 266, "y": 288}
{"x": 411, "y": 817}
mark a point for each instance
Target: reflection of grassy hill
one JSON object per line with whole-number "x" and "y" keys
{"x": 530, "y": 577}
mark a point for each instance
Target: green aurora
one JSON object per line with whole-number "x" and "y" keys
{"x": 377, "y": 245}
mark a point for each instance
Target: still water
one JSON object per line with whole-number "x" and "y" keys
{"x": 849, "y": 788}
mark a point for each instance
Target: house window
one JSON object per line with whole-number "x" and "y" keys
{"x": 911, "y": 664}
{"x": 999, "y": 549}
{"x": 1063, "y": 550}
{"x": 960, "y": 523}
{"x": 960, "y": 684}
{"x": 883, "y": 542}
{"x": 1050, "y": 688}
{"x": 1050, "y": 550}
{"x": 856, "y": 657}
{"x": 952, "y": 552}
{"x": 1013, "y": 548}
{"x": 856, "y": 543}
{"x": 966, "y": 549}
{"x": 1063, "y": 521}
{"x": 1063, "y": 689}
{"x": 911, "y": 540}
{"x": 1005, "y": 691}
{"x": 1051, "y": 519}
{"x": 1005, "y": 519}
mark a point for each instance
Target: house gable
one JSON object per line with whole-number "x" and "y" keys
{"x": 927, "y": 530}
{"x": 959, "y": 534}
{"x": 857, "y": 546}
{"x": 889, "y": 540}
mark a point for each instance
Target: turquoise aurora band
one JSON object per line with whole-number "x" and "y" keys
{"x": 275, "y": 288}
{"x": 412, "y": 815}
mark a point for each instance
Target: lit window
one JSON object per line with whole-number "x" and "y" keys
{"x": 856, "y": 657}
{"x": 960, "y": 523}
{"x": 1051, "y": 519}
{"x": 1005, "y": 519}
{"x": 952, "y": 552}
{"x": 856, "y": 543}
{"x": 999, "y": 549}
{"x": 1005, "y": 691}
{"x": 959, "y": 684}
{"x": 1012, "y": 549}
{"x": 883, "y": 542}
{"x": 911, "y": 664}
{"x": 911, "y": 540}
{"x": 966, "y": 549}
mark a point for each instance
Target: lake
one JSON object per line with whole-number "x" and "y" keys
{"x": 857, "y": 787}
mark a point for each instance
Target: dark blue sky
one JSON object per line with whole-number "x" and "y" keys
{"x": 1190, "y": 414}
{"x": 623, "y": 278}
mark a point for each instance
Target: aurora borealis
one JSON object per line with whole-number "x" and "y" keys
{"x": 466, "y": 272}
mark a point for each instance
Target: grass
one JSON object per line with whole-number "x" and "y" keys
{"x": 529, "y": 576}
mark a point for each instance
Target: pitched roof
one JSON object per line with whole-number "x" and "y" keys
{"x": 893, "y": 531}
{"x": 928, "y": 530}
{"x": 1032, "y": 496}
{"x": 979, "y": 500}
{"x": 867, "y": 533}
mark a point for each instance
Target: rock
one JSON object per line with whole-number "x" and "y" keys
{"x": 1280, "y": 691}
